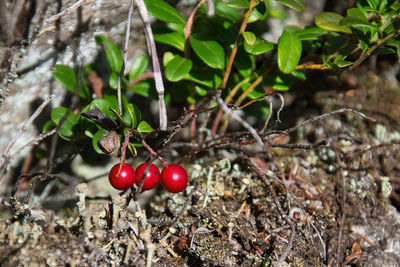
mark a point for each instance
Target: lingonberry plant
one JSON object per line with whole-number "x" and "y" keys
{"x": 218, "y": 50}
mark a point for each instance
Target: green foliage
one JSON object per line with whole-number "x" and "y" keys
{"x": 216, "y": 49}
{"x": 77, "y": 123}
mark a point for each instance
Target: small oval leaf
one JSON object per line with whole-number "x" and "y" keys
{"x": 289, "y": 51}
{"x": 96, "y": 138}
{"x": 259, "y": 47}
{"x": 66, "y": 76}
{"x": 177, "y": 68}
{"x": 113, "y": 53}
{"x": 68, "y": 129}
{"x": 249, "y": 37}
{"x": 174, "y": 39}
{"x": 164, "y": 11}
{"x": 210, "y": 52}
{"x": 297, "y": 5}
{"x": 134, "y": 114}
{"x": 331, "y": 22}
{"x": 138, "y": 67}
{"x": 144, "y": 127}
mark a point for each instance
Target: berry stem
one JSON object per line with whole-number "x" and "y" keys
{"x": 152, "y": 152}
{"x": 126, "y": 142}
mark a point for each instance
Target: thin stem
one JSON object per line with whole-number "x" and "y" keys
{"x": 244, "y": 123}
{"x": 125, "y": 57}
{"x": 228, "y": 99}
{"x": 24, "y": 127}
{"x": 228, "y": 70}
{"x": 156, "y": 64}
{"x": 64, "y": 12}
{"x": 372, "y": 49}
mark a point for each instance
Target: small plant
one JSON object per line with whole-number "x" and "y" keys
{"x": 223, "y": 54}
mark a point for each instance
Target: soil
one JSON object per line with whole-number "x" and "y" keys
{"x": 335, "y": 203}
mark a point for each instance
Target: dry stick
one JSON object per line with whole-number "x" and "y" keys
{"x": 246, "y": 93}
{"x": 156, "y": 64}
{"x": 211, "y": 8}
{"x": 228, "y": 99}
{"x": 125, "y": 57}
{"x": 63, "y": 13}
{"x": 268, "y": 99}
{"x": 278, "y": 113}
{"x": 325, "y": 115}
{"x": 244, "y": 123}
{"x": 256, "y": 170}
{"x": 23, "y": 129}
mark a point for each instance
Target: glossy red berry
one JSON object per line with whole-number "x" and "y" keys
{"x": 122, "y": 179}
{"x": 174, "y": 178}
{"x": 152, "y": 177}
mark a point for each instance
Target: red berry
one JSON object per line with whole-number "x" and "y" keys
{"x": 152, "y": 177}
{"x": 174, "y": 178}
{"x": 124, "y": 179}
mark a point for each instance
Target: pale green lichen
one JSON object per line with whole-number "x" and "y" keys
{"x": 386, "y": 187}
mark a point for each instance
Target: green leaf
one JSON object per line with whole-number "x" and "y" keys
{"x": 144, "y": 88}
{"x": 230, "y": 13}
{"x": 373, "y": 4}
{"x": 96, "y": 138}
{"x": 113, "y": 81}
{"x": 249, "y": 37}
{"x": 104, "y": 105}
{"x": 132, "y": 149}
{"x": 134, "y": 114}
{"x": 174, "y": 39}
{"x": 122, "y": 119}
{"x": 334, "y": 44}
{"x": 237, "y": 3}
{"x": 167, "y": 57}
{"x": 280, "y": 81}
{"x": 138, "y": 67}
{"x": 164, "y": 11}
{"x": 357, "y": 13}
{"x": 66, "y": 76}
{"x": 210, "y": 52}
{"x": 260, "y": 12}
{"x": 48, "y": 125}
{"x": 310, "y": 33}
{"x": 69, "y": 127}
{"x": 144, "y": 127}
{"x": 113, "y": 53}
{"x": 357, "y": 23}
{"x": 289, "y": 51}
{"x": 206, "y": 77}
{"x": 244, "y": 62}
{"x": 259, "y": 47}
{"x": 331, "y": 22}
{"x": 177, "y": 68}
{"x": 383, "y": 51}
{"x": 297, "y": 5}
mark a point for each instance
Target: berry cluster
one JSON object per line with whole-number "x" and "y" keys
{"x": 173, "y": 177}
